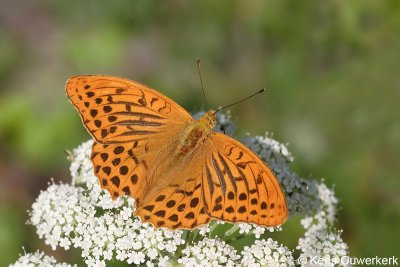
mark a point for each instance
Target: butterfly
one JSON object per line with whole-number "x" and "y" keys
{"x": 180, "y": 172}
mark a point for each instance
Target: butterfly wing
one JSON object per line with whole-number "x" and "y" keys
{"x": 117, "y": 110}
{"x": 121, "y": 168}
{"x": 238, "y": 186}
{"x": 130, "y": 123}
{"x": 179, "y": 202}
{"x": 176, "y": 206}
{"x": 223, "y": 180}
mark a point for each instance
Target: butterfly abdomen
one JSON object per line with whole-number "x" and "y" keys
{"x": 196, "y": 133}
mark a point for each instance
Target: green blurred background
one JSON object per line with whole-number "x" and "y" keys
{"x": 332, "y": 69}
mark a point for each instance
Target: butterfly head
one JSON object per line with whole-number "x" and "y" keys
{"x": 209, "y": 119}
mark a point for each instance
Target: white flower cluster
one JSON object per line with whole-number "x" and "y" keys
{"x": 82, "y": 215}
{"x": 209, "y": 252}
{"x": 249, "y": 228}
{"x": 216, "y": 252}
{"x": 267, "y": 253}
{"x": 86, "y": 217}
{"x": 38, "y": 259}
{"x": 325, "y": 245}
{"x": 321, "y": 240}
{"x": 246, "y": 228}
{"x": 325, "y": 217}
{"x": 81, "y": 167}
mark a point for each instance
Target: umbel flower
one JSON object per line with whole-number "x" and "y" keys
{"x": 82, "y": 215}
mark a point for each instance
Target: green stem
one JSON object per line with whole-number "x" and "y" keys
{"x": 232, "y": 231}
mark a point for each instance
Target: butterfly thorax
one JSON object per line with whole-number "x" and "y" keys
{"x": 197, "y": 132}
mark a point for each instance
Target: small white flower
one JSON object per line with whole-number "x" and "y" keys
{"x": 244, "y": 228}
{"x": 38, "y": 259}
{"x": 214, "y": 252}
{"x": 321, "y": 243}
{"x": 205, "y": 229}
{"x": 267, "y": 253}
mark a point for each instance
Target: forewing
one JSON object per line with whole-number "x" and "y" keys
{"x": 117, "y": 110}
{"x": 239, "y": 187}
{"x": 130, "y": 123}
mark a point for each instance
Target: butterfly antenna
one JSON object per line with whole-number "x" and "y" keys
{"x": 201, "y": 82}
{"x": 244, "y": 99}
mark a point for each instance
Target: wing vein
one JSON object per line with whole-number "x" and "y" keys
{"x": 219, "y": 174}
{"x": 228, "y": 171}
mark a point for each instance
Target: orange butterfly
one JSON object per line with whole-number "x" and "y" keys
{"x": 180, "y": 172}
